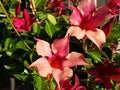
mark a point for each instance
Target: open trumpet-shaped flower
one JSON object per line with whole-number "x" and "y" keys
{"x": 24, "y": 24}
{"x": 86, "y": 18}
{"x": 103, "y": 73}
{"x": 66, "y": 85}
{"x": 56, "y": 59}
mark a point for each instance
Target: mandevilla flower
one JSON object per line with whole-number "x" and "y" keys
{"x": 66, "y": 85}
{"x": 103, "y": 72}
{"x": 85, "y": 20}
{"x": 57, "y": 5}
{"x": 116, "y": 77}
{"x": 24, "y": 24}
{"x": 56, "y": 59}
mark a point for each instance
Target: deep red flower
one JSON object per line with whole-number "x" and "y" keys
{"x": 116, "y": 77}
{"x": 103, "y": 72}
{"x": 24, "y": 24}
{"x": 114, "y": 5}
{"x": 85, "y": 20}
{"x": 66, "y": 85}
{"x": 56, "y": 59}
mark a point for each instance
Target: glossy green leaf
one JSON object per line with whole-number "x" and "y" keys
{"x": 94, "y": 57}
{"x": 50, "y": 28}
{"x": 20, "y": 76}
{"x": 7, "y": 43}
{"x": 51, "y": 18}
{"x": 39, "y": 83}
{"x": 39, "y": 3}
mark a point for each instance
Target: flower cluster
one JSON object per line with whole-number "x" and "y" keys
{"x": 65, "y": 44}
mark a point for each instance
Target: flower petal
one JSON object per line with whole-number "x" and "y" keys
{"x": 108, "y": 27}
{"x": 101, "y": 15}
{"x": 43, "y": 66}
{"x": 43, "y": 48}
{"x": 26, "y": 15}
{"x": 77, "y": 83}
{"x": 76, "y": 31}
{"x": 18, "y": 22}
{"x": 75, "y": 18}
{"x": 86, "y": 7}
{"x": 61, "y": 46}
{"x": 62, "y": 75}
{"x": 74, "y": 59}
{"x": 97, "y": 37}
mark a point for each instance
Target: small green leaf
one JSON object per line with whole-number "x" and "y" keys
{"x": 21, "y": 77}
{"x": 42, "y": 16}
{"x": 7, "y": 43}
{"x": 65, "y": 17}
{"x": 50, "y": 28}
{"x": 39, "y": 83}
{"x": 21, "y": 45}
{"x": 51, "y": 18}
{"x": 94, "y": 57}
{"x": 39, "y": 3}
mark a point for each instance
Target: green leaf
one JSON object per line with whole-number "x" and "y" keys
{"x": 39, "y": 3}
{"x": 39, "y": 84}
{"x": 42, "y": 16}
{"x": 51, "y": 18}
{"x": 21, "y": 45}
{"x": 65, "y": 17}
{"x": 7, "y": 43}
{"x": 21, "y": 77}
{"x": 94, "y": 56}
{"x": 36, "y": 28}
{"x": 50, "y": 28}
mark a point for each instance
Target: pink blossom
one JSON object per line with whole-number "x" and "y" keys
{"x": 56, "y": 59}
{"x": 24, "y": 24}
{"x": 57, "y": 5}
{"x": 85, "y": 20}
{"x": 66, "y": 85}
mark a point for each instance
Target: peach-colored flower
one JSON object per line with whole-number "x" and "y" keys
{"x": 56, "y": 59}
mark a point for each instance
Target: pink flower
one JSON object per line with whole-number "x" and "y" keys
{"x": 56, "y": 59}
{"x": 103, "y": 72}
{"x": 23, "y": 24}
{"x": 18, "y": 8}
{"x": 57, "y": 5}
{"x": 66, "y": 85}
{"x": 85, "y": 20}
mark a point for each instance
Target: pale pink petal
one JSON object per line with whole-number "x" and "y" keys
{"x": 43, "y": 66}
{"x": 76, "y": 31}
{"x": 75, "y": 18}
{"x": 62, "y": 75}
{"x": 86, "y": 7}
{"x": 97, "y": 37}
{"x": 74, "y": 59}
{"x": 43, "y": 48}
{"x": 26, "y": 15}
{"x": 60, "y": 47}
{"x": 101, "y": 15}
